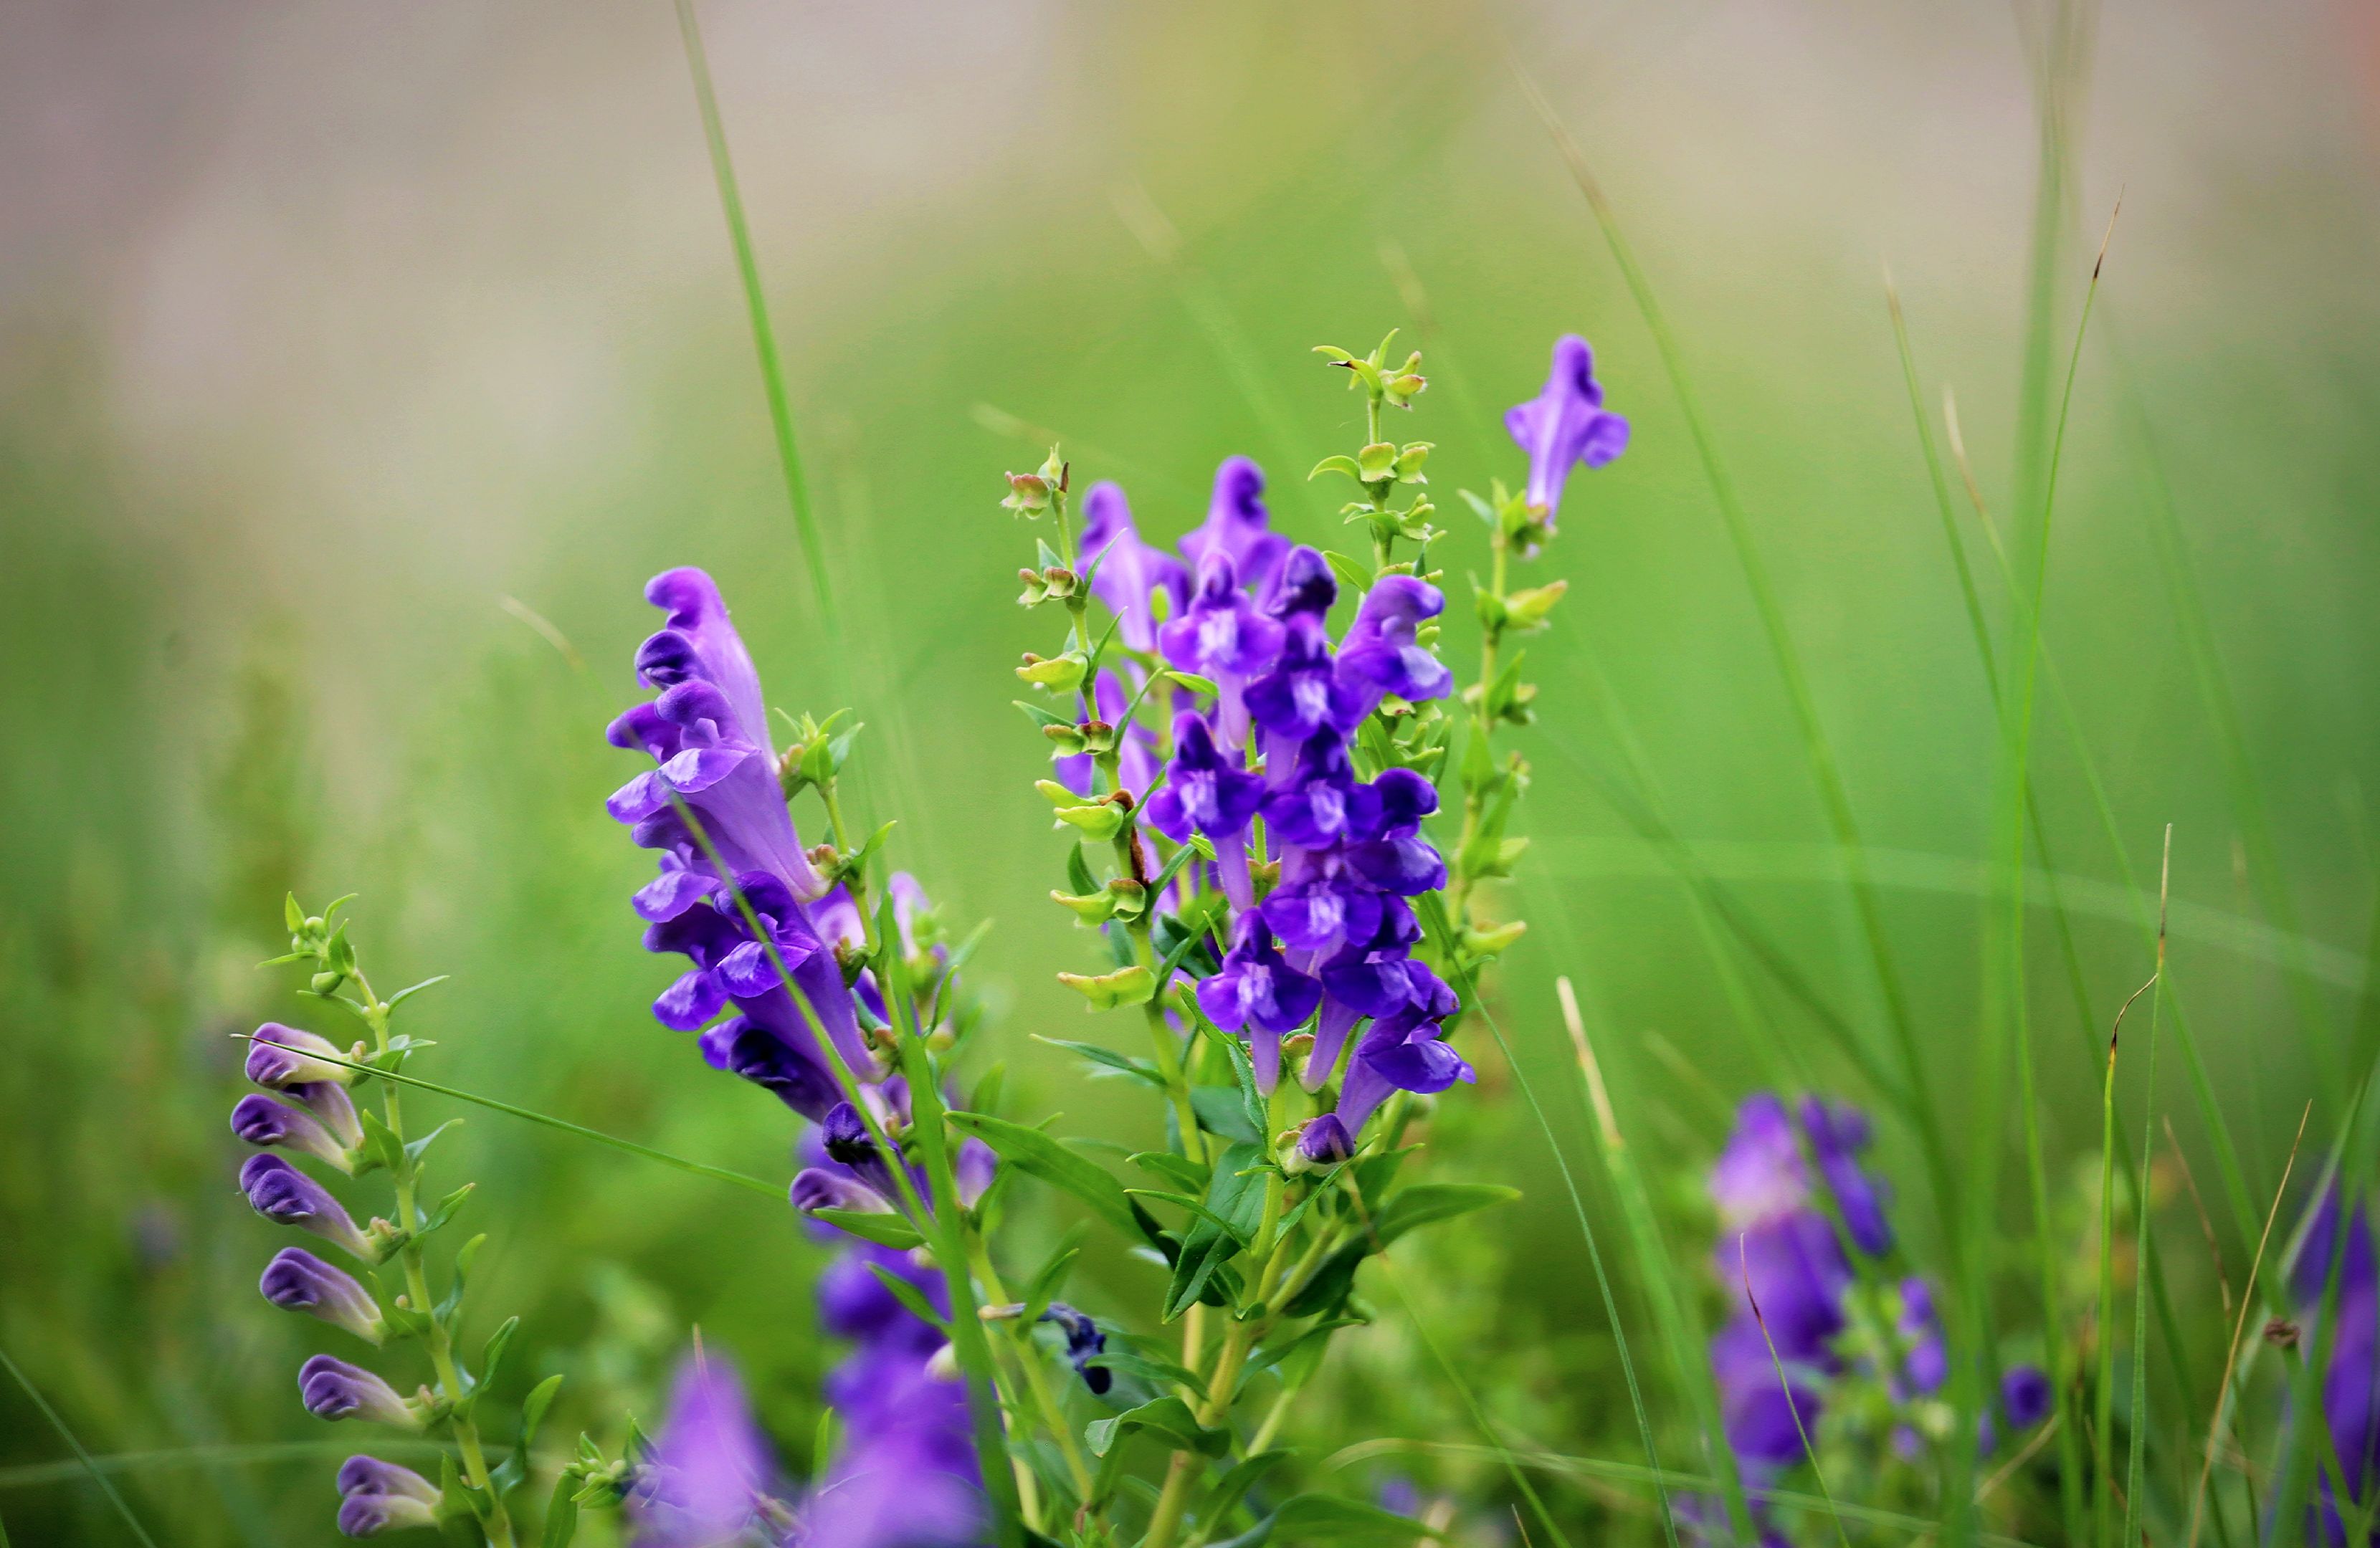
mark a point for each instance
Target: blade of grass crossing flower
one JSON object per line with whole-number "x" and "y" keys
{"x": 1743, "y": 1259}
{"x": 1834, "y": 798}
{"x": 562, "y": 1125}
{"x": 2141, "y": 1241}
{"x": 764, "y": 338}
{"x": 1672, "y": 1304}
{"x": 82, "y": 1456}
{"x": 1434, "y": 922}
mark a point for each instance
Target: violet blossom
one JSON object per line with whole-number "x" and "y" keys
{"x": 1565, "y": 425}
{"x": 296, "y": 1280}
{"x": 282, "y": 1194}
{"x": 377, "y": 1496}
{"x": 332, "y": 1389}
{"x": 708, "y": 1480}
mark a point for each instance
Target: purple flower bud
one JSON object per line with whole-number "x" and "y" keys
{"x": 1381, "y": 651}
{"x": 1238, "y": 524}
{"x": 262, "y": 1121}
{"x": 1565, "y": 424}
{"x": 1325, "y": 1141}
{"x": 1125, "y": 569}
{"x": 1085, "y": 1343}
{"x": 847, "y": 1140}
{"x": 296, "y": 1280}
{"x": 329, "y": 1101}
{"x": 334, "y": 1389}
{"x": 370, "y": 1515}
{"x": 281, "y": 1193}
{"x": 370, "y": 1475}
{"x": 2026, "y": 1396}
{"x": 282, "y": 1057}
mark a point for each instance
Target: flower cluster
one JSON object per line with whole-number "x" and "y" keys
{"x": 1791, "y": 1251}
{"x": 306, "y": 1110}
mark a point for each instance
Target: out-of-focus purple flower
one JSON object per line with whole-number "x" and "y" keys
{"x": 1237, "y": 525}
{"x": 2351, "y": 1380}
{"x": 708, "y": 1478}
{"x": 261, "y": 1121}
{"x": 1085, "y": 1343}
{"x": 1259, "y": 991}
{"x": 1125, "y": 569}
{"x": 1380, "y": 653}
{"x": 282, "y": 1056}
{"x": 2026, "y": 1396}
{"x": 816, "y": 1187}
{"x": 973, "y": 1167}
{"x": 1304, "y": 588}
{"x": 1758, "y": 1408}
{"x": 1926, "y": 1359}
{"x": 378, "y": 1496}
{"x": 281, "y": 1193}
{"x": 854, "y": 1302}
{"x": 844, "y": 1134}
{"x": 1565, "y": 424}
{"x": 296, "y": 1280}
{"x": 332, "y": 1389}
{"x": 1838, "y": 1133}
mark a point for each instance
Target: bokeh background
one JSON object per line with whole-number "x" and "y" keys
{"x": 326, "y": 329}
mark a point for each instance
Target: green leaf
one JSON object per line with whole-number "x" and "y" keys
{"x": 1193, "y": 682}
{"x": 1309, "y": 1342}
{"x": 1078, "y": 871}
{"x": 1233, "y": 1485}
{"x": 1106, "y": 1059}
{"x": 1051, "y": 1277}
{"x": 1425, "y": 1203}
{"x": 533, "y": 1409}
{"x": 416, "y": 1149}
{"x": 445, "y": 1210}
{"x": 1196, "y": 849}
{"x": 1352, "y": 574}
{"x": 1169, "y": 1419}
{"x": 291, "y": 914}
{"x": 412, "y": 989}
{"x": 880, "y": 1226}
{"x": 1235, "y": 1195}
{"x": 1039, "y": 716}
{"x": 1197, "y": 1209}
{"x": 1252, "y": 1102}
{"x": 381, "y": 1147}
{"x": 1336, "y": 464}
{"x": 1143, "y": 1364}
{"x": 1221, "y": 1111}
{"x": 1314, "y": 1518}
{"x": 1330, "y": 1282}
{"x": 1037, "y": 1155}
{"x": 561, "y": 1512}
{"x": 1108, "y": 991}
{"x": 911, "y": 1297}
{"x": 1183, "y": 1173}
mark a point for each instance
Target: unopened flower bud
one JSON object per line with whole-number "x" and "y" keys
{"x": 282, "y": 1194}
{"x": 281, "y": 1057}
{"x": 262, "y": 1121}
{"x": 381, "y": 1497}
{"x": 296, "y": 1280}
{"x": 332, "y": 1389}
{"x": 816, "y": 1187}
{"x": 1061, "y": 581}
{"x": 1062, "y": 674}
{"x": 1028, "y": 494}
{"x": 324, "y": 982}
{"x": 1324, "y": 1142}
{"x": 1068, "y": 738}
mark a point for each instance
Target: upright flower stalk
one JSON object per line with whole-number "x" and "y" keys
{"x": 312, "y": 1113}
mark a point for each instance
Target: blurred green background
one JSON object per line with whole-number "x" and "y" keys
{"x": 324, "y": 331}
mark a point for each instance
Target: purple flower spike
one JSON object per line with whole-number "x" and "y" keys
{"x": 1325, "y": 1141}
{"x": 1238, "y": 524}
{"x": 1838, "y": 1133}
{"x": 296, "y": 1280}
{"x": 710, "y": 1474}
{"x": 1380, "y": 653}
{"x": 1085, "y": 1343}
{"x": 1303, "y": 695}
{"x": 334, "y": 1389}
{"x": 282, "y": 1057}
{"x": 1259, "y": 991}
{"x": 1125, "y": 569}
{"x": 1565, "y": 424}
{"x": 262, "y": 1121}
{"x": 282, "y": 1194}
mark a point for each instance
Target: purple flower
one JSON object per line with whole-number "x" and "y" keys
{"x": 1085, "y": 1343}
{"x": 1321, "y": 804}
{"x": 1238, "y": 525}
{"x": 281, "y": 1193}
{"x": 1259, "y": 991}
{"x": 801, "y": 1081}
{"x": 1565, "y": 424}
{"x": 262, "y": 1121}
{"x": 1757, "y": 1408}
{"x": 1926, "y": 1365}
{"x": 1303, "y": 695}
{"x": 844, "y": 1134}
{"x": 331, "y": 1105}
{"x": 1838, "y": 1133}
{"x": 854, "y": 1302}
{"x": 2351, "y": 1382}
{"x": 1322, "y": 912}
{"x": 708, "y": 1476}
{"x": 1399, "y": 860}
{"x": 2026, "y": 1396}
{"x": 378, "y": 1496}
{"x": 296, "y": 1280}
{"x": 1304, "y": 588}
{"x": 1381, "y": 653}
{"x": 1220, "y": 633}
{"x": 1206, "y": 790}
{"x": 1125, "y": 569}
{"x": 281, "y": 1056}
{"x": 1402, "y": 1051}
{"x": 1324, "y": 1141}
{"x": 816, "y": 1188}
{"x": 334, "y": 1389}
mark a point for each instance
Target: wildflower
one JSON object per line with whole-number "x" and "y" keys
{"x": 378, "y": 1496}
{"x": 1085, "y": 1343}
{"x": 281, "y": 1193}
{"x": 1402, "y": 1051}
{"x": 1221, "y": 634}
{"x": 2026, "y": 1396}
{"x": 281, "y": 1057}
{"x": 1207, "y": 790}
{"x": 2351, "y": 1382}
{"x": 334, "y": 1389}
{"x": 1565, "y": 425}
{"x": 1324, "y": 1141}
{"x": 708, "y": 1477}
{"x": 1382, "y": 653}
{"x": 1125, "y": 571}
{"x": 296, "y": 1280}
{"x": 1257, "y": 989}
{"x": 1238, "y": 525}
{"x": 262, "y": 1121}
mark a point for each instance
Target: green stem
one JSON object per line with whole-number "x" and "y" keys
{"x": 1028, "y": 1360}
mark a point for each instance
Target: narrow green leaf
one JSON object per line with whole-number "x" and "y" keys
{"x": 1169, "y": 1419}
{"x": 1425, "y": 1203}
{"x": 1032, "y": 1152}
{"x": 880, "y": 1226}
{"x": 911, "y": 1297}
{"x": 1107, "y": 1059}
